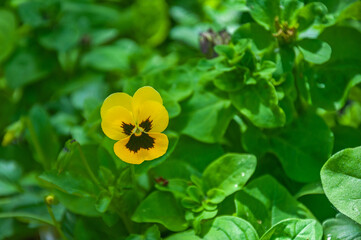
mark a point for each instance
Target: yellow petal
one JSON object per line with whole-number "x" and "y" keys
{"x": 153, "y": 113}
{"x": 116, "y": 99}
{"x": 159, "y": 148}
{"x": 117, "y": 123}
{"x": 144, "y": 94}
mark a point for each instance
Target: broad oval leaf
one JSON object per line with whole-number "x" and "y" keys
{"x": 161, "y": 207}
{"x": 341, "y": 228}
{"x": 295, "y": 229}
{"x": 229, "y": 172}
{"x": 341, "y": 180}
{"x": 301, "y": 158}
{"x": 264, "y": 203}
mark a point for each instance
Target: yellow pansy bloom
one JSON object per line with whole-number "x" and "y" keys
{"x": 136, "y": 123}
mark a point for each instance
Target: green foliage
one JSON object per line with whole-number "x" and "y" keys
{"x": 260, "y": 94}
{"x": 343, "y": 167}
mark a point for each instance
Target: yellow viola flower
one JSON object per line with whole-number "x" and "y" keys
{"x": 136, "y": 123}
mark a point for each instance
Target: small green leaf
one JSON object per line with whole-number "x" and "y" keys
{"x": 161, "y": 207}
{"x": 103, "y": 201}
{"x": 195, "y": 193}
{"x": 264, "y": 202}
{"x": 341, "y": 227}
{"x": 259, "y": 103}
{"x": 229, "y": 172}
{"x": 344, "y": 168}
{"x": 314, "y": 50}
{"x": 229, "y": 228}
{"x": 216, "y": 196}
{"x": 295, "y": 229}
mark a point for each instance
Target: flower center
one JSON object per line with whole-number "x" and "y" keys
{"x": 137, "y": 131}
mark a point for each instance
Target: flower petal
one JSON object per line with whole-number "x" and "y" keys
{"x": 116, "y": 99}
{"x": 144, "y": 94}
{"x": 153, "y": 113}
{"x": 116, "y": 123}
{"x": 159, "y": 148}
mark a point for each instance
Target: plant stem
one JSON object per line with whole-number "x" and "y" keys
{"x": 56, "y": 224}
{"x": 88, "y": 169}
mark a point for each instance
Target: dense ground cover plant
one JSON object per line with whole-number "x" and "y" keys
{"x": 264, "y": 106}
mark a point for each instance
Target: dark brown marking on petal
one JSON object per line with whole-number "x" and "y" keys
{"x": 146, "y": 124}
{"x": 127, "y": 128}
{"x": 144, "y": 141}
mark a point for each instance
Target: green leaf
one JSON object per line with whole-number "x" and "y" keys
{"x": 314, "y": 50}
{"x": 330, "y": 87}
{"x": 229, "y": 228}
{"x": 176, "y": 186}
{"x": 344, "y": 42}
{"x": 6, "y": 228}
{"x": 353, "y": 11}
{"x": 232, "y": 80}
{"x": 341, "y": 228}
{"x": 161, "y": 207}
{"x": 259, "y": 103}
{"x": 264, "y": 203}
{"x": 79, "y": 205}
{"x": 42, "y": 136}
{"x": 289, "y": 11}
{"x": 69, "y": 183}
{"x": 346, "y": 137}
{"x": 205, "y": 117}
{"x": 10, "y": 174}
{"x": 7, "y": 33}
{"x": 344, "y": 168}
{"x": 229, "y": 172}
{"x": 33, "y": 67}
{"x": 114, "y": 57}
{"x": 216, "y": 196}
{"x": 298, "y": 155}
{"x": 196, "y": 153}
{"x": 295, "y": 229}
{"x": 103, "y": 201}
{"x": 285, "y": 59}
{"x": 151, "y": 26}
{"x": 310, "y": 14}
{"x": 260, "y": 37}
{"x": 152, "y": 233}
{"x": 189, "y": 235}
{"x": 264, "y": 12}
{"x": 311, "y": 188}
